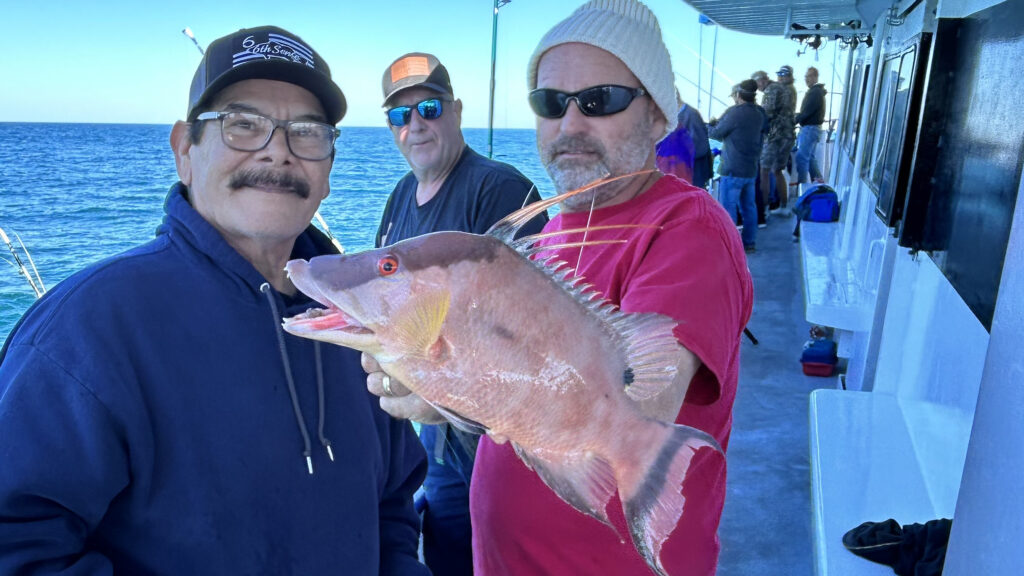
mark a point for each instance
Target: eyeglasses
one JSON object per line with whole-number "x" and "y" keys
{"x": 594, "y": 101}
{"x": 249, "y": 132}
{"x": 428, "y": 110}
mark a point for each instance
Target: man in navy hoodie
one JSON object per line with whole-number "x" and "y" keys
{"x": 155, "y": 419}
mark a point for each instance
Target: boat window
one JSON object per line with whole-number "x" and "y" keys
{"x": 966, "y": 171}
{"x": 878, "y": 136}
{"x": 889, "y": 142}
{"x": 856, "y": 87}
{"x": 887, "y": 163}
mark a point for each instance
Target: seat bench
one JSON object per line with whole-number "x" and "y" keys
{"x": 834, "y": 293}
{"x": 872, "y": 458}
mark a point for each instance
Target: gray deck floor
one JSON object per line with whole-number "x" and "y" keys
{"x": 766, "y": 526}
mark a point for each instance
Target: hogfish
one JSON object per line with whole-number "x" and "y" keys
{"x": 504, "y": 344}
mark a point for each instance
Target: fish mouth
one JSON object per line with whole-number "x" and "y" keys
{"x": 329, "y": 319}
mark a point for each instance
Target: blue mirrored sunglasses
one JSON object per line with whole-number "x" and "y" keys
{"x": 427, "y": 109}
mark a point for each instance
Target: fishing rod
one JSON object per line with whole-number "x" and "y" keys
{"x": 712, "y": 96}
{"x": 188, "y": 34}
{"x": 701, "y": 63}
{"x": 34, "y": 280}
{"x": 323, "y": 223}
{"x": 327, "y": 230}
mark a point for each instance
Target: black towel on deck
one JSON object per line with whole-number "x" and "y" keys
{"x": 911, "y": 550}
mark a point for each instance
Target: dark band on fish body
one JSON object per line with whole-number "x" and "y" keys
{"x": 441, "y": 249}
{"x": 647, "y": 495}
{"x": 638, "y": 510}
{"x": 359, "y": 268}
{"x": 444, "y": 249}
{"x": 503, "y": 332}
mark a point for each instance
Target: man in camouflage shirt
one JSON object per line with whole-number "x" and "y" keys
{"x": 779, "y": 103}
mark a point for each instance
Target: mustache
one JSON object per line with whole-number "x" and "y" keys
{"x": 257, "y": 178}
{"x": 573, "y": 143}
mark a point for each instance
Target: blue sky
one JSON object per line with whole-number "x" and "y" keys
{"x": 121, "y": 61}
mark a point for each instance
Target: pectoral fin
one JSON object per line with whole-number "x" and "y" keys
{"x": 461, "y": 422}
{"x": 418, "y": 327}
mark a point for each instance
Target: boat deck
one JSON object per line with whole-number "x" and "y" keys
{"x": 766, "y": 526}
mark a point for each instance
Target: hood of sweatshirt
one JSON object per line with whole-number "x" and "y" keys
{"x": 184, "y": 224}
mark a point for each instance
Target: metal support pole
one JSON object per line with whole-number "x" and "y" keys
{"x": 700, "y": 62}
{"x": 832, "y": 86}
{"x": 494, "y": 50}
{"x": 711, "y": 89}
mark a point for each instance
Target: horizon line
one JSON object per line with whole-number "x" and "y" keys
{"x": 340, "y": 126}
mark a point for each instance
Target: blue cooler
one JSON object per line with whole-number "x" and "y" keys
{"x": 819, "y": 357}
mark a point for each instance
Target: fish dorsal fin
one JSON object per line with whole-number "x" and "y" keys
{"x": 586, "y": 482}
{"x": 651, "y": 349}
{"x": 525, "y": 246}
{"x": 506, "y": 228}
{"x": 530, "y": 251}
{"x": 419, "y": 328}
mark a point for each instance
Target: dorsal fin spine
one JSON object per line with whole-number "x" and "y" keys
{"x": 650, "y": 348}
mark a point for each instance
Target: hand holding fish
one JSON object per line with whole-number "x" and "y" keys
{"x": 400, "y": 402}
{"x": 396, "y": 399}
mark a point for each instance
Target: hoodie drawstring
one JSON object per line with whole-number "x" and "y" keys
{"x": 307, "y": 451}
{"x": 320, "y": 400}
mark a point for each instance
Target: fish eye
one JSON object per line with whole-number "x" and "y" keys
{"x": 387, "y": 265}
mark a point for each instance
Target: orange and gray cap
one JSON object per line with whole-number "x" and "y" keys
{"x": 265, "y": 53}
{"x": 416, "y": 69}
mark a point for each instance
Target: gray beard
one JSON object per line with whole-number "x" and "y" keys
{"x": 570, "y": 175}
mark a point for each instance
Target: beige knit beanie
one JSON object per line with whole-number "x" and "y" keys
{"x": 628, "y": 30}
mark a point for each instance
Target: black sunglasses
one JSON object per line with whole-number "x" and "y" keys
{"x": 594, "y": 101}
{"x": 428, "y": 110}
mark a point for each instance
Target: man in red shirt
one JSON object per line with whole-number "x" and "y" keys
{"x": 602, "y": 88}
{"x": 603, "y": 92}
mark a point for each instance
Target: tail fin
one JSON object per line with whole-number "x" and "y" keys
{"x": 654, "y": 505}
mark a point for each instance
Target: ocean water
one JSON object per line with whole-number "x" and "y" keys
{"x": 77, "y": 193}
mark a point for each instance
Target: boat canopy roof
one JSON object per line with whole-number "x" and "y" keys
{"x": 794, "y": 18}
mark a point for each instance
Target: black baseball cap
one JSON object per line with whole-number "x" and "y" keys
{"x": 746, "y": 88}
{"x": 265, "y": 53}
{"x": 785, "y": 71}
{"x": 416, "y": 69}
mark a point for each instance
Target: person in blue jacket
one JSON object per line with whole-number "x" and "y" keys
{"x": 155, "y": 419}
